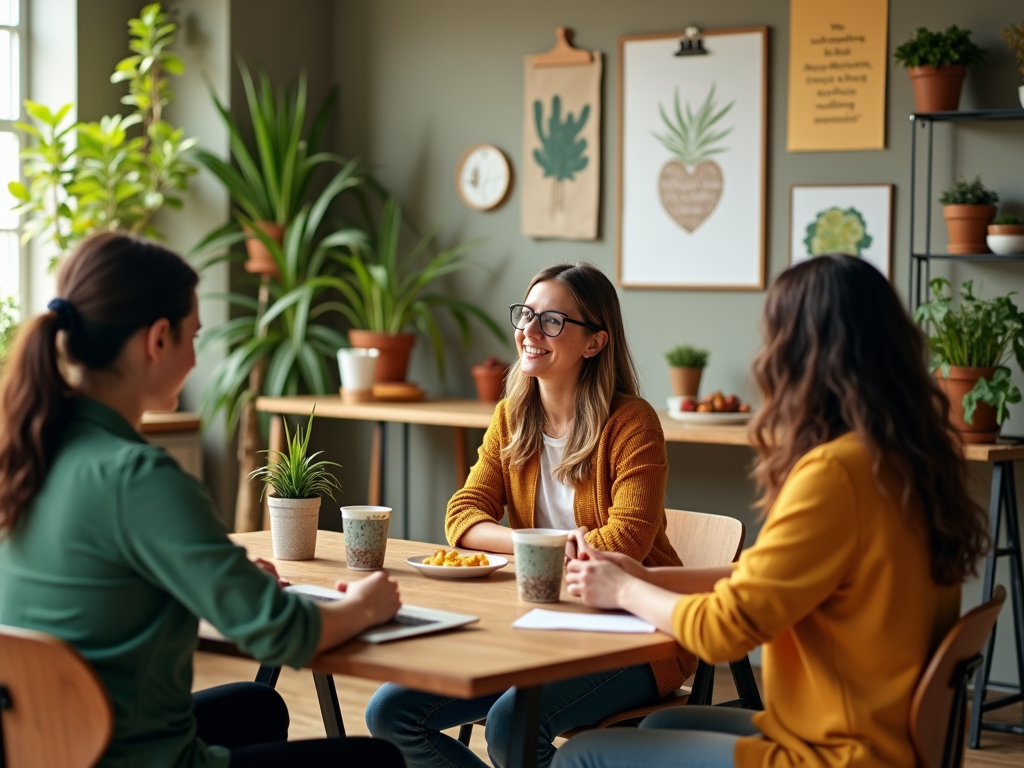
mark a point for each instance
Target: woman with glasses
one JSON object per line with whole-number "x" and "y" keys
{"x": 573, "y": 447}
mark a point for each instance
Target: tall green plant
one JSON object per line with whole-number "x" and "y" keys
{"x": 89, "y": 177}
{"x": 288, "y": 336}
{"x": 561, "y": 153}
{"x": 272, "y": 185}
{"x": 975, "y": 333}
{"x": 386, "y": 292}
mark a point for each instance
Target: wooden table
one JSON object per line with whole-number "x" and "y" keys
{"x": 486, "y": 657}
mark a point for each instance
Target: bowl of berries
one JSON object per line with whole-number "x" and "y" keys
{"x": 716, "y": 408}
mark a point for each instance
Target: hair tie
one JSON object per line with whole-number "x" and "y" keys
{"x": 67, "y": 315}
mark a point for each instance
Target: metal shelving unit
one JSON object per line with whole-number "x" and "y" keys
{"x": 920, "y": 261}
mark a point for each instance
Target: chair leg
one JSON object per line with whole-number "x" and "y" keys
{"x": 746, "y": 684}
{"x": 466, "y": 733}
{"x": 703, "y": 685}
{"x": 268, "y": 675}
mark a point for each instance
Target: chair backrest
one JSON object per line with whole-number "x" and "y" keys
{"x": 937, "y": 710}
{"x": 55, "y": 709}
{"x": 703, "y": 540}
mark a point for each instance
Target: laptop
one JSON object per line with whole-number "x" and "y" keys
{"x": 410, "y": 621}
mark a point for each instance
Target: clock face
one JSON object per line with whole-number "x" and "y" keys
{"x": 482, "y": 177}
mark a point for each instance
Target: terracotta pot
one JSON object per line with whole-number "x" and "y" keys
{"x": 685, "y": 381}
{"x": 1006, "y": 229}
{"x": 967, "y": 226}
{"x": 937, "y": 90}
{"x": 393, "y": 362}
{"x": 261, "y": 261}
{"x": 490, "y": 382}
{"x": 961, "y": 380}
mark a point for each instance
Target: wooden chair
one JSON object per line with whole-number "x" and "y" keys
{"x": 938, "y": 711}
{"x": 54, "y": 710}
{"x": 701, "y": 540}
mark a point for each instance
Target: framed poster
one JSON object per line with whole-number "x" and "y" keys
{"x": 692, "y": 149}
{"x": 854, "y": 218}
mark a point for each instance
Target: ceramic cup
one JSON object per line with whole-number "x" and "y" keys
{"x": 540, "y": 561}
{"x": 366, "y": 536}
{"x": 358, "y": 368}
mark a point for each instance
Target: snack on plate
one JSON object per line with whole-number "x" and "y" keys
{"x": 454, "y": 560}
{"x": 716, "y": 402}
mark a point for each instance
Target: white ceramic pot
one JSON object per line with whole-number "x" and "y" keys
{"x": 293, "y": 524}
{"x": 1005, "y": 245}
{"x": 358, "y": 368}
{"x": 1020, "y": 95}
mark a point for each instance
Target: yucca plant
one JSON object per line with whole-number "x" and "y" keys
{"x": 386, "y": 292}
{"x": 296, "y": 474}
{"x": 273, "y": 185}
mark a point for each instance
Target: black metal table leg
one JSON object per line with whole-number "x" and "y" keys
{"x": 1002, "y": 502}
{"x": 383, "y": 461}
{"x": 522, "y": 752}
{"x": 268, "y": 675}
{"x": 330, "y": 709}
{"x": 405, "y": 480}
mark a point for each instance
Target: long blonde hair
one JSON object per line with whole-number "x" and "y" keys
{"x": 608, "y": 373}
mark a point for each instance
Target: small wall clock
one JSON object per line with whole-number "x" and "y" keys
{"x": 483, "y": 177}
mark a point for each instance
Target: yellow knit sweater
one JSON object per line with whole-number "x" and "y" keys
{"x": 621, "y": 503}
{"x": 838, "y": 588}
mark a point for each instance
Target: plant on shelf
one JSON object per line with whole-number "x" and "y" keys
{"x": 937, "y": 63}
{"x": 1014, "y": 37}
{"x": 297, "y": 481}
{"x": 89, "y": 177}
{"x": 386, "y": 295}
{"x": 1006, "y": 235}
{"x": 968, "y": 207}
{"x": 971, "y": 341}
{"x": 686, "y": 366}
{"x": 9, "y": 318}
{"x": 270, "y": 186}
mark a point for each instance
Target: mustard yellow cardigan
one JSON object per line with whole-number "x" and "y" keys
{"x": 838, "y": 589}
{"x": 621, "y": 503}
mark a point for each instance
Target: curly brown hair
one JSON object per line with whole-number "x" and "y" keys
{"x": 840, "y": 355}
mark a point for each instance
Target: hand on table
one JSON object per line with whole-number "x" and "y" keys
{"x": 598, "y": 582}
{"x": 268, "y": 567}
{"x": 376, "y": 596}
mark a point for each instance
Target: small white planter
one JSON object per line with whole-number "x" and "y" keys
{"x": 1020, "y": 95}
{"x": 293, "y": 524}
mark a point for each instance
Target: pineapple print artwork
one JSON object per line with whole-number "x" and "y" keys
{"x": 690, "y": 185}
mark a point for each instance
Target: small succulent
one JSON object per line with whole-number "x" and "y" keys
{"x": 687, "y": 356}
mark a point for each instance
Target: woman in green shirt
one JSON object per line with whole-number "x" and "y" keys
{"x": 107, "y": 544}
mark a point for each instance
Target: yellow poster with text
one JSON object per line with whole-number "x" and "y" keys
{"x": 837, "y": 63}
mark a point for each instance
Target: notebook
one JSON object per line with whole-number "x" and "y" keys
{"x": 410, "y": 621}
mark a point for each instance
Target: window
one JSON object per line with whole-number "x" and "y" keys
{"x": 12, "y": 92}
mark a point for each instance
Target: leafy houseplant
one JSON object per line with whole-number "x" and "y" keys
{"x": 270, "y": 188}
{"x": 1006, "y": 235}
{"x": 298, "y": 481}
{"x": 937, "y": 63}
{"x": 89, "y": 177}
{"x": 1014, "y": 37}
{"x": 968, "y": 207}
{"x": 971, "y": 344}
{"x": 686, "y": 365}
{"x": 387, "y": 294}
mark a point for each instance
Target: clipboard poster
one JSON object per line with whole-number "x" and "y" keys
{"x": 837, "y": 62}
{"x": 561, "y": 143}
{"x": 692, "y": 151}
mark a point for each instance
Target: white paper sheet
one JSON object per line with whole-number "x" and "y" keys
{"x": 582, "y": 622}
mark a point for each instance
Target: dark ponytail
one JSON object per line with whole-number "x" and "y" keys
{"x": 109, "y": 287}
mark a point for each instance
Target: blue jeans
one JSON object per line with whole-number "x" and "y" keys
{"x": 680, "y": 737}
{"x": 414, "y": 720}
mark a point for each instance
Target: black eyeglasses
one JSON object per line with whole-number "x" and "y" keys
{"x": 551, "y": 322}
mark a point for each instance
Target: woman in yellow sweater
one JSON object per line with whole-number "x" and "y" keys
{"x": 855, "y": 576}
{"x": 572, "y": 447}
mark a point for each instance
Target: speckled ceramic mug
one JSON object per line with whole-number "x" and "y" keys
{"x": 366, "y": 536}
{"x": 540, "y": 561}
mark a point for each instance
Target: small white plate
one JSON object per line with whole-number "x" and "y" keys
{"x": 708, "y": 419}
{"x": 451, "y": 572}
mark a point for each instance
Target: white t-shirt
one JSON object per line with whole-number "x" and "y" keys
{"x": 554, "y": 500}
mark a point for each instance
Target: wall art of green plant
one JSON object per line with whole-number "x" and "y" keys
{"x": 838, "y": 230}
{"x": 561, "y": 155}
{"x": 89, "y": 177}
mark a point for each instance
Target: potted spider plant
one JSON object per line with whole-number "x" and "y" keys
{"x": 387, "y": 295}
{"x": 296, "y": 481}
{"x": 971, "y": 342}
{"x": 270, "y": 188}
{"x": 968, "y": 207}
{"x": 937, "y": 63}
{"x": 686, "y": 365}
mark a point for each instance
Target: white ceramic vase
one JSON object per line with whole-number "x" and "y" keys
{"x": 1020, "y": 95}
{"x": 293, "y": 524}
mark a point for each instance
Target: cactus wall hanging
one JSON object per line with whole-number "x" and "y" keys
{"x": 692, "y": 149}
{"x": 561, "y": 142}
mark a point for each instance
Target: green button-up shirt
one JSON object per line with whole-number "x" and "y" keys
{"x": 119, "y": 554}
